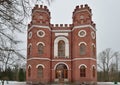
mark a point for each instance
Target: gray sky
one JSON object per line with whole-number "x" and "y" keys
{"x": 106, "y": 15}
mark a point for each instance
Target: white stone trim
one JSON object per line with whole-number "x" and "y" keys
{"x": 58, "y": 34}
{"x": 93, "y": 35}
{"x": 63, "y": 31}
{"x": 82, "y": 43}
{"x": 60, "y": 60}
{"x": 83, "y": 26}
{"x": 93, "y": 44}
{"x": 29, "y": 35}
{"x": 82, "y": 35}
{"x": 75, "y": 59}
{"x": 82, "y": 65}
{"x": 48, "y": 59}
{"x": 66, "y": 46}
{"x": 40, "y": 43}
{"x": 61, "y": 63}
{"x": 30, "y": 44}
{"x": 39, "y": 26}
{"x": 93, "y": 66}
{"x": 29, "y": 66}
{"x": 40, "y": 65}
{"x": 40, "y": 35}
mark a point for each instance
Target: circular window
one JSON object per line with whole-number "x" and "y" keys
{"x": 82, "y": 33}
{"x": 30, "y": 35}
{"x": 81, "y": 17}
{"x": 41, "y": 17}
{"x": 41, "y": 33}
{"x": 93, "y": 35}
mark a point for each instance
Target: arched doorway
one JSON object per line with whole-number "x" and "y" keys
{"x": 61, "y": 72}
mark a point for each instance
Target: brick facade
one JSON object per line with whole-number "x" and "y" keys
{"x": 56, "y": 66}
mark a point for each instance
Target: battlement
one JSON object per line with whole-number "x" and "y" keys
{"x": 93, "y": 24}
{"x": 61, "y": 25}
{"x": 41, "y": 8}
{"x": 81, "y": 8}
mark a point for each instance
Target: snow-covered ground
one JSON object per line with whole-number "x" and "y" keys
{"x": 13, "y": 83}
{"x": 24, "y": 83}
{"x": 108, "y": 83}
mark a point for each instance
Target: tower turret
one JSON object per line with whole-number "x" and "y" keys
{"x": 82, "y": 15}
{"x": 40, "y": 15}
{"x": 84, "y": 44}
{"x": 39, "y": 42}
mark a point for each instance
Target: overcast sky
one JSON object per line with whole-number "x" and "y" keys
{"x": 106, "y": 15}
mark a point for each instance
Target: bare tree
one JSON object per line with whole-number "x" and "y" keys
{"x": 13, "y": 15}
{"x": 105, "y": 60}
{"x": 13, "y": 20}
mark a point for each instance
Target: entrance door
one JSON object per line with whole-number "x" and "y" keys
{"x": 61, "y": 72}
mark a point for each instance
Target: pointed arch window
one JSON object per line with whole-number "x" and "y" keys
{"x": 40, "y": 48}
{"x": 29, "y": 50}
{"x": 82, "y": 49}
{"x": 29, "y": 71}
{"x": 61, "y": 48}
{"x": 40, "y": 71}
{"x": 93, "y": 51}
{"x": 82, "y": 71}
{"x": 93, "y": 71}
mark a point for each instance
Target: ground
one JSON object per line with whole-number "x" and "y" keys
{"x": 23, "y": 83}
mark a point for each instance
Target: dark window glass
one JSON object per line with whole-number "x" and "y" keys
{"x": 82, "y": 71}
{"x": 93, "y": 51}
{"x": 40, "y": 48}
{"x": 82, "y": 49}
{"x": 93, "y": 71}
{"x": 61, "y": 71}
{"x": 29, "y": 72}
{"x": 40, "y": 71}
{"x": 61, "y": 48}
{"x": 29, "y": 50}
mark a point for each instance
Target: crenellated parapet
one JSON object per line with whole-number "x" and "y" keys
{"x": 61, "y": 26}
{"x": 30, "y": 24}
{"x": 41, "y": 8}
{"x": 82, "y": 8}
{"x": 93, "y": 24}
{"x": 82, "y": 15}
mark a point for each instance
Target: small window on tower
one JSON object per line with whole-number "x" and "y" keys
{"x": 93, "y": 51}
{"x": 82, "y": 71}
{"x": 93, "y": 35}
{"x": 40, "y": 71}
{"x": 81, "y": 17}
{"x": 82, "y": 49}
{"x": 82, "y": 33}
{"x": 40, "y": 17}
{"x": 40, "y": 48}
{"x": 30, "y": 35}
{"x": 40, "y": 33}
{"x": 29, "y": 72}
{"x": 93, "y": 70}
{"x": 29, "y": 50}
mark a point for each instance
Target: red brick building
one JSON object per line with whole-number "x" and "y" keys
{"x": 61, "y": 53}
